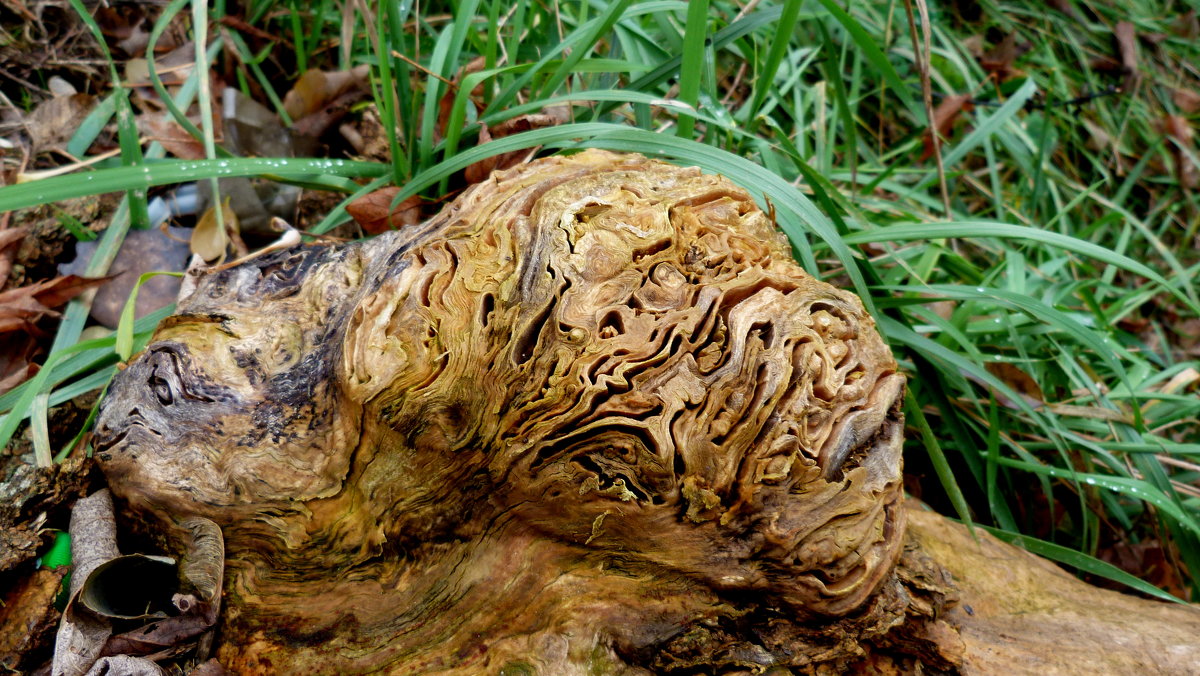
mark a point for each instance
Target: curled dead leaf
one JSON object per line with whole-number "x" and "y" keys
{"x": 9, "y": 239}
{"x": 210, "y": 241}
{"x": 317, "y": 88}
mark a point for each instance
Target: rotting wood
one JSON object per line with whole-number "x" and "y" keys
{"x": 591, "y": 418}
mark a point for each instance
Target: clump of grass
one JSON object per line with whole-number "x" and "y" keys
{"x": 1035, "y": 318}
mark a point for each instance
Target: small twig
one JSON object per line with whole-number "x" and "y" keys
{"x": 423, "y": 69}
{"x": 922, "y": 57}
{"x": 1112, "y": 90}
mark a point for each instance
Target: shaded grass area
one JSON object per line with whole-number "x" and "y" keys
{"x": 1043, "y": 303}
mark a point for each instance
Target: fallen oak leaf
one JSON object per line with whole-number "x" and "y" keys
{"x": 371, "y": 211}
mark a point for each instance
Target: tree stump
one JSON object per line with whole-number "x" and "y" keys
{"x": 592, "y": 418}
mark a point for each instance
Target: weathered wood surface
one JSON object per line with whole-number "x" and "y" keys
{"x": 1020, "y": 614}
{"x": 592, "y": 418}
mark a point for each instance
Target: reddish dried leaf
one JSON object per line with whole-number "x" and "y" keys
{"x": 11, "y": 237}
{"x": 21, "y": 306}
{"x": 16, "y": 360}
{"x": 371, "y": 211}
{"x": 57, "y": 291}
{"x": 943, "y": 119}
{"x": 446, "y": 103}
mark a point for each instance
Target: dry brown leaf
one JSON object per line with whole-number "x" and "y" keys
{"x": 943, "y": 119}
{"x": 1014, "y": 377}
{"x": 1180, "y": 131}
{"x": 55, "y": 120}
{"x": 11, "y": 236}
{"x": 1186, "y": 100}
{"x": 999, "y": 60}
{"x": 9, "y": 239}
{"x": 209, "y": 240}
{"x": 371, "y": 211}
{"x": 59, "y": 290}
{"x": 446, "y": 103}
{"x": 22, "y": 306}
{"x": 172, "y": 136}
{"x": 317, "y": 88}
{"x": 1126, "y": 36}
{"x": 16, "y": 360}
{"x": 1186, "y": 25}
{"x": 483, "y": 168}
{"x": 17, "y": 375}
{"x": 128, "y": 25}
{"x": 316, "y": 123}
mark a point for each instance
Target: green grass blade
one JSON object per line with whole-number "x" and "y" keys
{"x": 1081, "y": 562}
{"x": 692, "y": 63}
{"x": 978, "y": 229}
{"x": 176, "y": 171}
